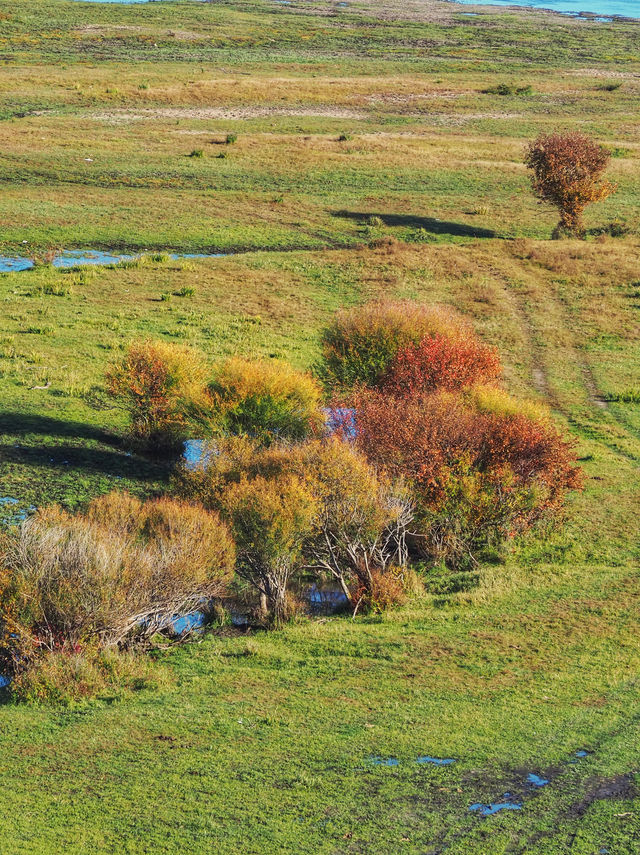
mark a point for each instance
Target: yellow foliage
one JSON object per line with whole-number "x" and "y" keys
{"x": 266, "y": 398}
{"x": 492, "y": 399}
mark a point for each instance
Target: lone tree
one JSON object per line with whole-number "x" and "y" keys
{"x": 567, "y": 169}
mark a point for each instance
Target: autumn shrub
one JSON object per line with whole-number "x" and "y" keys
{"x": 360, "y": 343}
{"x": 110, "y": 577}
{"x": 359, "y": 530}
{"x": 567, "y": 172}
{"x": 270, "y": 520}
{"x": 440, "y": 363}
{"x": 382, "y": 591}
{"x": 361, "y": 516}
{"x": 480, "y": 473}
{"x": 265, "y": 400}
{"x": 223, "y": 461}
{"x": 162, "y": 388}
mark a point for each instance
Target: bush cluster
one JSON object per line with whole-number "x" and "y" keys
{"x": 420, "y": 457}
{"x": 481, "y": 467}
{"x": 360, "y": 344}
{"x": 170, "y": 394}
{"x": 315, "y": 509}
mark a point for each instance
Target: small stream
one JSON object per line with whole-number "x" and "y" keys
{"x": 69, "y": 258}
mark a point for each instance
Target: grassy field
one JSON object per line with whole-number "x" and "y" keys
{"x": 265, "y": 743}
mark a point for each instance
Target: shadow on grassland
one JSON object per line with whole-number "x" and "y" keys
{"x": 429, "y": 224}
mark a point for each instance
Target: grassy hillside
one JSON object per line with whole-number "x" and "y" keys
{"x": 264, "y": 744}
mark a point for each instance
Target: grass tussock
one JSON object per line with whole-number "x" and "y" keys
{"x": 66, "y": 678}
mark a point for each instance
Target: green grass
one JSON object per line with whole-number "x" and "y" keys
{"x": 369, "y": 161}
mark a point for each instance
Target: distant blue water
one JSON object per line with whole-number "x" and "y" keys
{"x": 601, "y": 8}
{"x": 81, "y": 257}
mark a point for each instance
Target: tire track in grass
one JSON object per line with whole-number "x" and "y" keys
{"x": 594, "y": 394}
{"x": 533, "y": 327}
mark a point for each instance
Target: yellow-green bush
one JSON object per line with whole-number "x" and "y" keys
{"x": 265, "y": 400}
{"x": 360, "y": 519}
{"x": 270, "y": 520}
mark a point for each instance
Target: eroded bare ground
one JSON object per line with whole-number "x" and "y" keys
{"x": 576, "y": 793}
{"x": 124, "y": 115}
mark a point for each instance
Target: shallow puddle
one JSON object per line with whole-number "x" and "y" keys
{"x": 383, "y": 761}
{"x": 9, "y": 513}
{"x": 536, "y": 780}
{"x": 489, "y": 810}
{"x": 325, "y": 599}
{"x": 195, "y": 453}
{"x": 187, "y": 623}
{"x": 437, "y": 761}
{"x": 579, "y": 755}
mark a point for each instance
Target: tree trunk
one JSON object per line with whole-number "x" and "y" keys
{"x": 264, "y": 605}
{"x": 278, "y": 604}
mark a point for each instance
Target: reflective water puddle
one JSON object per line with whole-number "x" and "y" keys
{"x": 383, "y": 761}
{"x": 536, "y": 780}
{"x": 490, "y": 809}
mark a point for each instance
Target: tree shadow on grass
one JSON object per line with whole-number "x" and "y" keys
{"x": 88, "y": 461}
{"x": 429, "y": 224}
{"x": 25, "y": 424}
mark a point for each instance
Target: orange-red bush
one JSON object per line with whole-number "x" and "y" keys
{"x": 478, "y": 476}
{"x": 441, "y": 363}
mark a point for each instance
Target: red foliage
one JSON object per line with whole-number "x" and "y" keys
{"x": 441, "y": 363}
{"x": 490, "y": 474}
{"x": 412, "y": 438}
{"x": 533, "y": 451}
